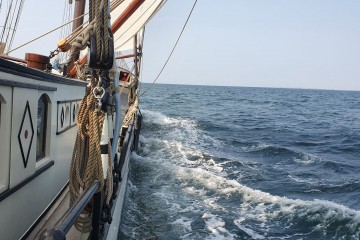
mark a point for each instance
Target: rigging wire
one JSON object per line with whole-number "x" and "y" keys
{"x": 66, "y": 30}
{"x": 113, "y": 5}
{"x": 44, "y": 34}
{"x": 162, "y": 69}
{"x": 16, "y": 23}
{"x": 11, "y": 21}
{"x": 6, "y": 21}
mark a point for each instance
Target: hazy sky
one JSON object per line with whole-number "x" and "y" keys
{"x": 259, "y": 43}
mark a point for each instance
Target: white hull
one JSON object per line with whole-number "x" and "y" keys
{"x": 30, "y": 189}
{"x": 27, "y": 190}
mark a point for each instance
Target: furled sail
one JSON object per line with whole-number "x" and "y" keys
{"x": 123, "y": 37}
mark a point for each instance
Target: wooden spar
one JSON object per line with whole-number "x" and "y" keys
{"x": 134, "y": 5}
{"x": 125, "y": 56}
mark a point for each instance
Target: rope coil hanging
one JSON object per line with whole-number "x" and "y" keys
{"x": 86, "y": 163}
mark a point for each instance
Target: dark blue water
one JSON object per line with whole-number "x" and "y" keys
{"x": 245, "y": 163}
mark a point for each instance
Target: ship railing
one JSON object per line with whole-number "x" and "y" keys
{"x": 59, "y": 232}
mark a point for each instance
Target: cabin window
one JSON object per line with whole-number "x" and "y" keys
{"x": 41, "y": 127}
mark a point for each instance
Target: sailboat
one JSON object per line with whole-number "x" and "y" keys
{"x": 65, "y": 156}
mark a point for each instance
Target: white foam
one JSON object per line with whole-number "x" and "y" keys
{"x": 153, "y": 117}
{"x": 248, "y": 231}
{"x": 131, "y": 186}
{"x": 307, "y": 180}
{"x": 183, "y": 222}
{"x": 255, "y": 147}
{"x": 192, "y": 190}
{"x": 179, "y": 129}
{"x": 263, "y": 207}
{"x": 178, "y": 150}
{"x": 161, "y": 119}
{"x": 211, "y": 203}
{"x": 306, "y": 159}
{"x": 216, "y": 226}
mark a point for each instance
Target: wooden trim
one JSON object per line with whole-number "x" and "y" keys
{"x": 17, "y": 187}
{"x": 125, "y": 56}
{"x": 26, "y": 85}
{"x": 134, "y": 5}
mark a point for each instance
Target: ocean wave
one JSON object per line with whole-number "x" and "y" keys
{"x": 290, "y": 157}
{"x": 216, "y": 226}
{"x": 201, "y": 177}
{"x": 183, "y": 222}
{"x": 177, "y": 153}
{"x": 182, "y": 130}
{"x": 161, "y": 119}
{"x": 192, "y": 183}
{"x": 258, "y": 208}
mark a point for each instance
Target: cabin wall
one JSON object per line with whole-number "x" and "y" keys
{"x": 27, "y": 184}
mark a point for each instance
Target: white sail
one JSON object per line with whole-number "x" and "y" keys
{"x": 123, "y": 37}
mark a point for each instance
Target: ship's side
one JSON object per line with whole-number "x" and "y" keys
{"x": 37, "y": 129}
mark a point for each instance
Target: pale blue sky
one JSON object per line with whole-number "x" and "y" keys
{"x": 259, "y": 43}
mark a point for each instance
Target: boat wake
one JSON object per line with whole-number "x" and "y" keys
{"x": 181, "y": 189}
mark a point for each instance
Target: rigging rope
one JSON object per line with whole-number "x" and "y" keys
{"x": 113, "y": 5}
{"x": 162, "y": 69}
{"x": 66, "y": 31}
{"x": 86, "y": 163}
{"x": 87, "y": 160}
{"x": 43, "y": 35}
{"x": 15, "y": 25}
{"x": 6, "y": 21}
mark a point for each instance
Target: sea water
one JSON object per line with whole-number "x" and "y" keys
{"x": 245, "y": 163}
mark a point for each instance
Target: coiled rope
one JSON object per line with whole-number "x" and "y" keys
{"x": 86, "y": 165}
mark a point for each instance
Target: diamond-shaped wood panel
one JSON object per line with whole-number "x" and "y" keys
{"x": 26, "y": 134}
